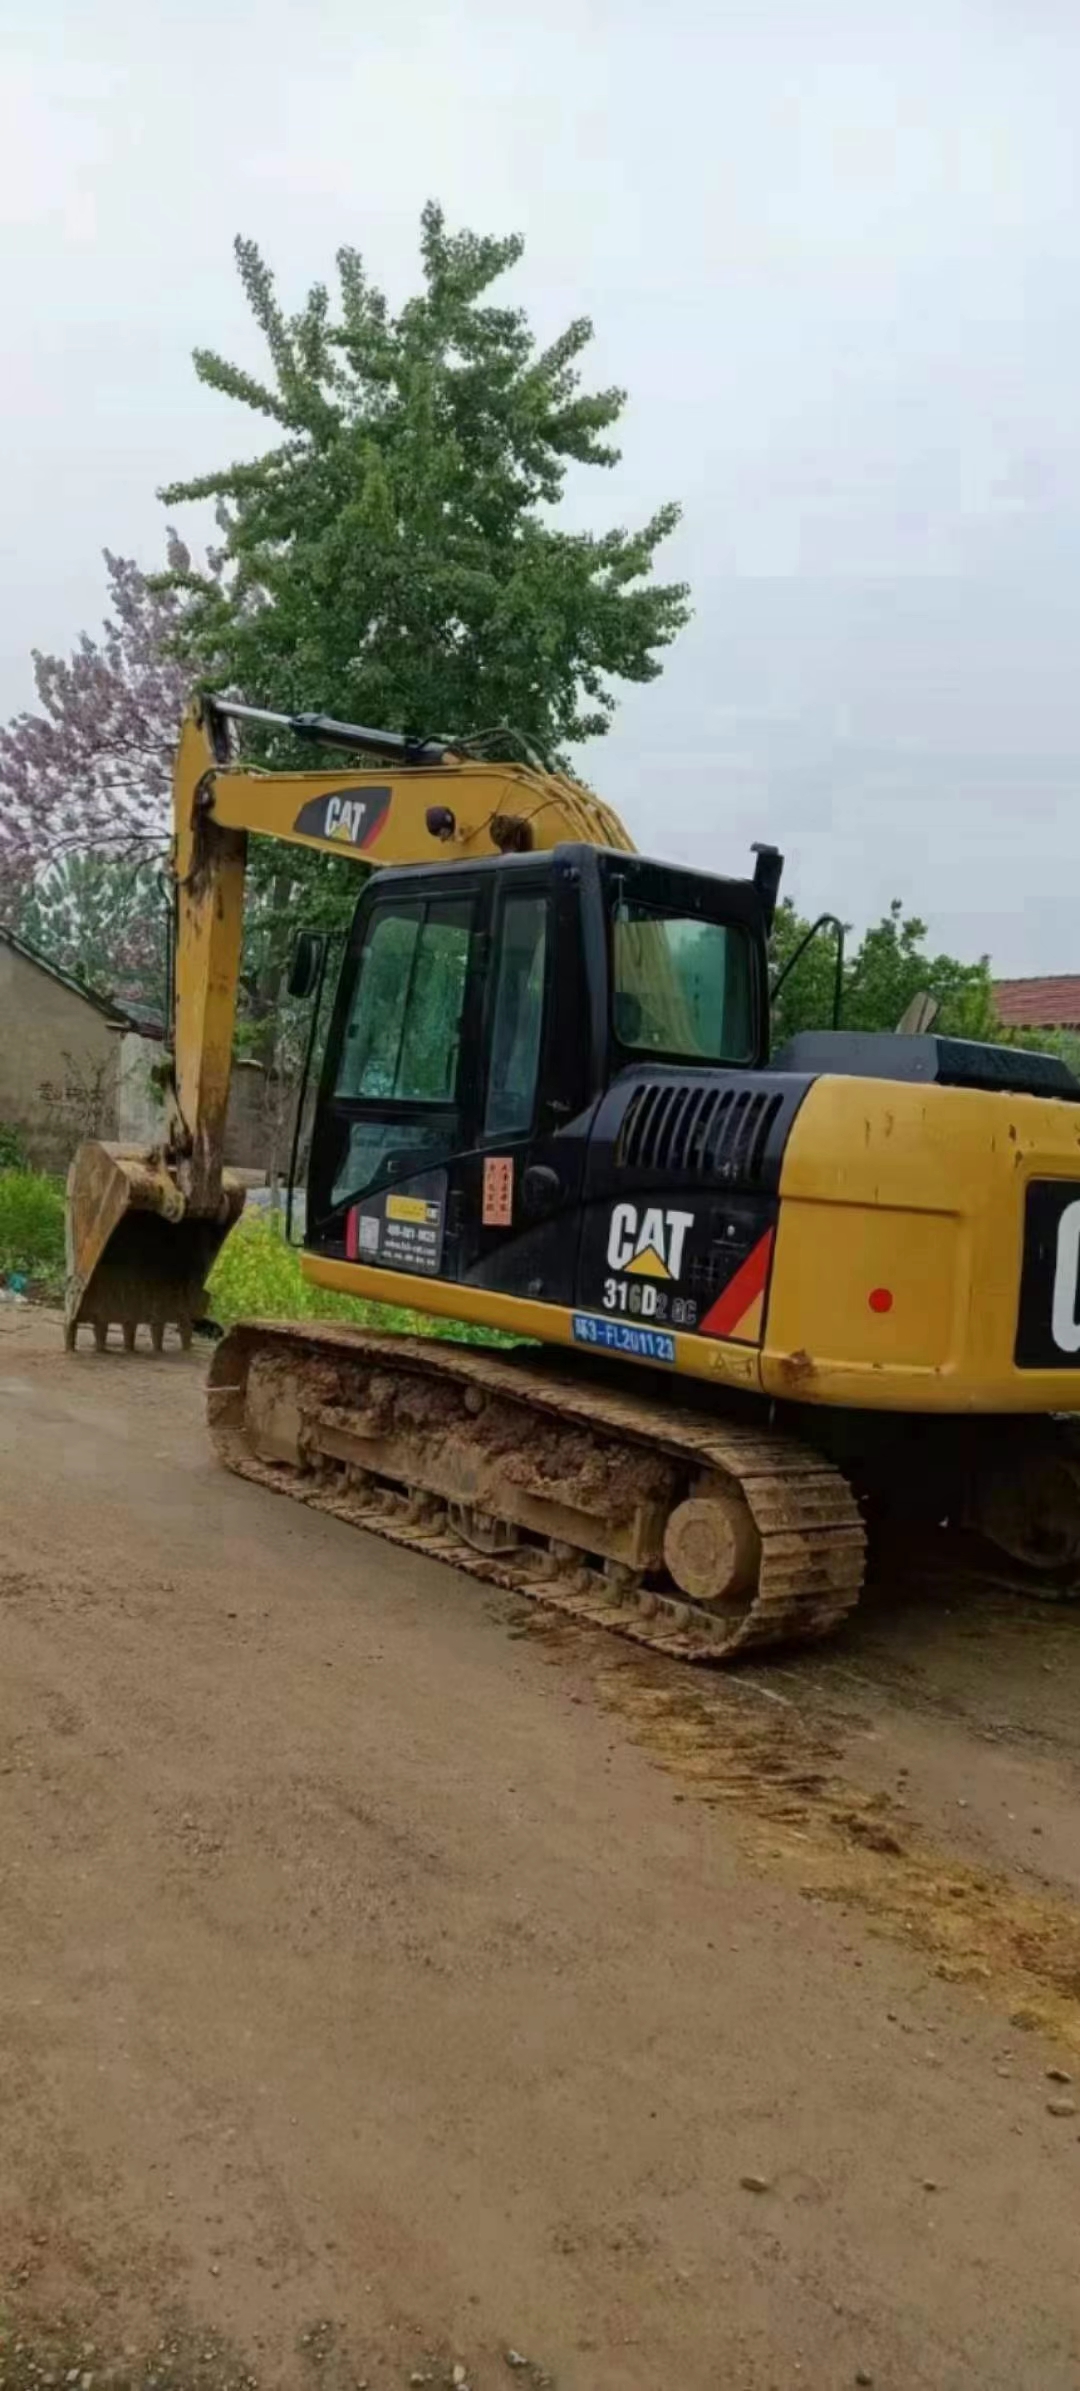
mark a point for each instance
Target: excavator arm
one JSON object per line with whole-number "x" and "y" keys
{"x": 144, "y": 1227}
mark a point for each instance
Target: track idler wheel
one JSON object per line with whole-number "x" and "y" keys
{"x": 712, "y": 1548}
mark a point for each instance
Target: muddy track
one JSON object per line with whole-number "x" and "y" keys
{"x": 343, "y": 1384}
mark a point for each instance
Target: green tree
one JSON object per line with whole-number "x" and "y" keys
{"x": 394, "y": 558}
{"x": 889, "y": 966}
{"x": 103, "y": 920}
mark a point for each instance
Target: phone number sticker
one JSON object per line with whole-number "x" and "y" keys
{"x": 623, "y": 1336}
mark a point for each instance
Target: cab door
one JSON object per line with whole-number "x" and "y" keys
{"x": 522, "y": 1185}
{"x": 400, "y": 1095}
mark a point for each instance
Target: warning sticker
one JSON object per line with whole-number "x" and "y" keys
{"x": 402, "y": 1232}
{"x": 498, "y": 1205}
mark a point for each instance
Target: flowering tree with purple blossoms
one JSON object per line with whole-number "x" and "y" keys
{"x": 85, "y": 819}
{"x": 84, "y": 791}
{"x": 89, "y": 770}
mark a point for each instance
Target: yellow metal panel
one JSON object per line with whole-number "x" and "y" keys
{"x": 210, "y": 864}
{"x": 552, "y": 1324}
{"x": 831, "y": 1259}
{"x": 918, "y": 1191}
{"x": 552, "y": 807}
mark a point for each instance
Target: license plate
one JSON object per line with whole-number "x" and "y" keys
{"x": 623, "y": 1336}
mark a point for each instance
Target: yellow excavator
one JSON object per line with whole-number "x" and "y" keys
{"x": 746, "y": 1301}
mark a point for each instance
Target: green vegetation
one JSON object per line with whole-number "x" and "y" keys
{"x": 102, "y": 918}
{"x": 257, "y": 1277}
{"x": 32, "y": 1230}
{"x": 399, "y": 558}
{"x": 882, "y": 973}
{"x": 12, "y": 1150}
{"x": 396, "y": 556}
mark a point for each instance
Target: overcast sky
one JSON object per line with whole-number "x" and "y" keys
{"x": 829, "y": 246}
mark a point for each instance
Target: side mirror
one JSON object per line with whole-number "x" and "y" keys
{"x": 768, "y": 870}
{"x": 307, "y": 962}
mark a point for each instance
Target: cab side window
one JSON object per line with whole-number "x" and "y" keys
{"x": 396, "y": 1090}
{"x": 518, "y": 1018}
{"x": 403, "y": 1038}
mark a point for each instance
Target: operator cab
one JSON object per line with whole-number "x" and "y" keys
{"x": 482, "y": 1012}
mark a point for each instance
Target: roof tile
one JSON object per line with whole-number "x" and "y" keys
{"x": 1040, "y": 1004}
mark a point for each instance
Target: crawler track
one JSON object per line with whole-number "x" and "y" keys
{"x": 540, "y": 1481}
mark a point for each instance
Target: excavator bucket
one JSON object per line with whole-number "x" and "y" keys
{"x": 134, "y": 1252}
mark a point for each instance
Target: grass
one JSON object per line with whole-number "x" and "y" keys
{"x": 257, "y": 1277}
{"x": 32, "y": 1230}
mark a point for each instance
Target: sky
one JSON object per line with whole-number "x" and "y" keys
{"x": 830, "y": 248}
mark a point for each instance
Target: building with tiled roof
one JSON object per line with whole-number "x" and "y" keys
{"x": 1039, "y": 1004}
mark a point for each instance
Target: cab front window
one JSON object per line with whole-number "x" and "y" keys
{"x": 682, "y": 987}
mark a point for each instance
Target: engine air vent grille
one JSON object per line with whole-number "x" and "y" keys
{"x": 698, "y": 1131}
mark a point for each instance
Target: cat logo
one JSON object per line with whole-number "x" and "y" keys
{"x": 351, "y": 817}
{"x": 647, "y": 1244}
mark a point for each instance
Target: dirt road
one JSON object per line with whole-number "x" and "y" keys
{"x": 388, "y": 1986}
